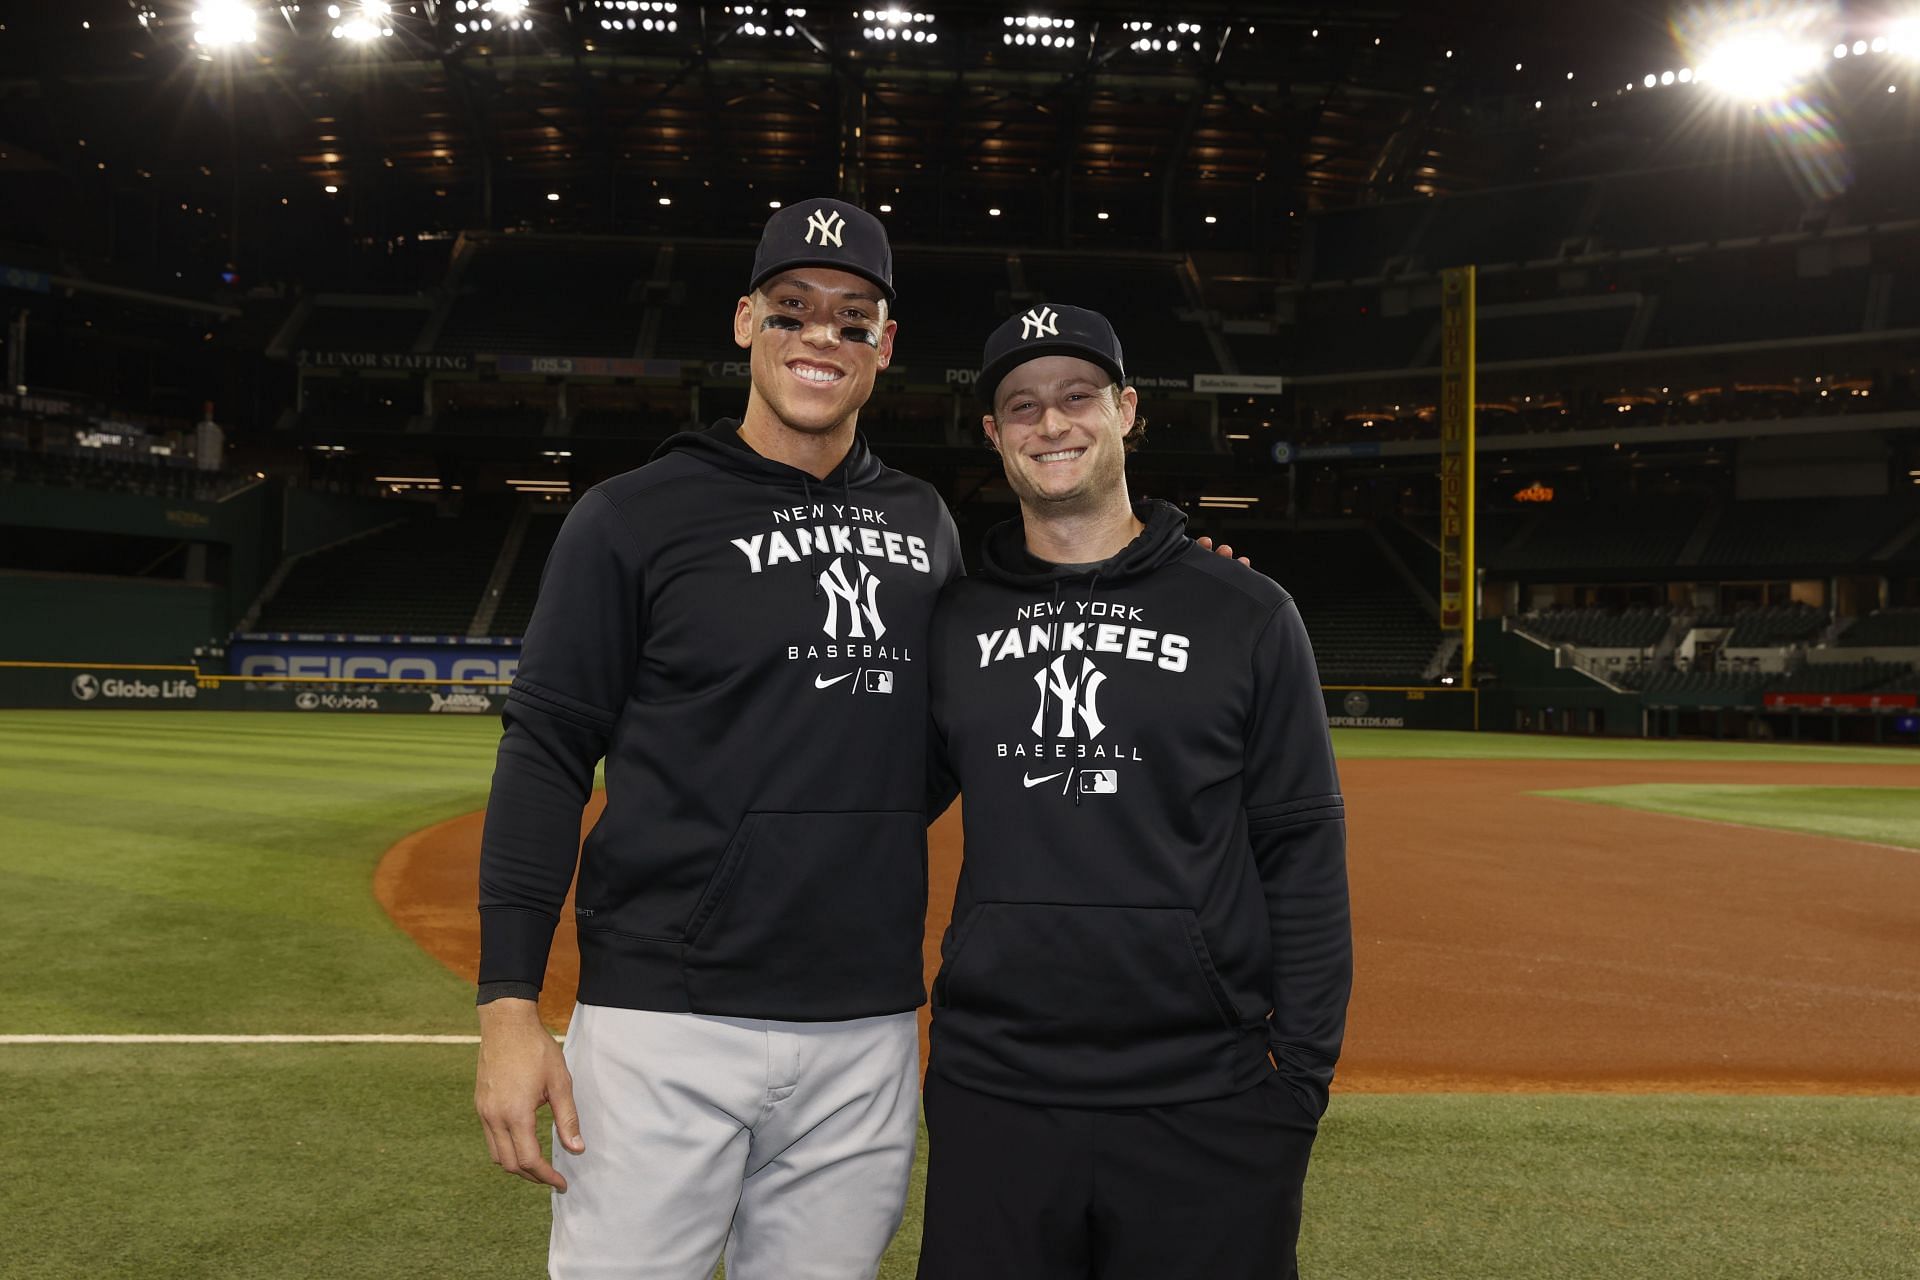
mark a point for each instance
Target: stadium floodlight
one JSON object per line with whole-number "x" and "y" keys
{"x": 222, "y": 24}
{"x": 1903, "y": 38}
{"x": 899, "y": 25}
{"x": 372, "y": 22}
{"x": 1758, "y": 66}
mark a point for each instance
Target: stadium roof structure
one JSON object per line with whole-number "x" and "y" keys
{"x": 1178, "y": 123}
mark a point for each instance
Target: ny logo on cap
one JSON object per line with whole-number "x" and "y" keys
{"x": 829, "y": 224}
{"x": 1041, "y": 322}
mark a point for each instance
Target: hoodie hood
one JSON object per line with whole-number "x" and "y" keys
{"x": 721, "y": 445}
{"x": 1004, "y": 556}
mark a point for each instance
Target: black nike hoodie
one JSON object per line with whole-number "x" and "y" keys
{"x": 745, "y": 646}
{"x": 1154, "y": 895}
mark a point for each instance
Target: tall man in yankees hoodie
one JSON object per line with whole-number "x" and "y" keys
{"x": 739, "y": 628}
{"x": 1144, "y": 988}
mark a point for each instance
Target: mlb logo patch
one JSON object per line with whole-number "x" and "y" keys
{"x": 1099, "y": 782}
{"x": 879, "y": 682}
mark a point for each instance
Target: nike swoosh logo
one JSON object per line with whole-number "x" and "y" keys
{"x": 821, "y": 682}
{"x": 1032, "y": 781}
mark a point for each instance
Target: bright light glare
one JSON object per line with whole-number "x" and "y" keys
{"x": 1903, "y": 38}
{"x": 1757, "y": 66}
{"x": 508, "y": 8}
{"x": 225, "y": 22}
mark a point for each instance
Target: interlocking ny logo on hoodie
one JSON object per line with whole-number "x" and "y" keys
{"x": 1067, "y": 636}
{"x": 832, "y": 543}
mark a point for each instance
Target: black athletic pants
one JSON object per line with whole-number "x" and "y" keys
{"x": 1198, "y": 1191}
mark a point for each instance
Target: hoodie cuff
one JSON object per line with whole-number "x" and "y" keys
{"x": 513, "y": 945}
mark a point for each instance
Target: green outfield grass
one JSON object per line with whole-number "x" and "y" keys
{"x": 1884, "y": 815}
{"x": 209, "y": 872}
{"x": 301, "y": 1161}
{"x": 1431, "y": 744}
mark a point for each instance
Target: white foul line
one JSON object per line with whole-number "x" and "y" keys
{"x": 218, "y": 1039}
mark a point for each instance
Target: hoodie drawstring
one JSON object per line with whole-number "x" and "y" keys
{"x": 813, "y": 568}
{"x": 1091, "y": 583}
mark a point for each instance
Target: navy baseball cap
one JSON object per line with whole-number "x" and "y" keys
{"x": 1048, "y": 329}
{"x": 825, "y": 233}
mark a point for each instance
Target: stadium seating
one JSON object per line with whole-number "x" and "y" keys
{"x": 1733, "y": 300}
{"x": 1885, "y": 628}
{"x": 1141, "y": 296}
{"x": 1804, "y": 531}
{"x": 1771, "y": 626}
{"x": 331, "y": 328}
{"x": 532, "y": 296}
{"x": 503, "y": 420}
{"x": 1840, "y": 677}
{"x": 1352, "y": 243}
{"x": 522, "y": 587}
{"x": 1595, "y": 537}
{"x": 1677, "y": 206}
{"x": 1635, "y": 628}
{"x": 1553, "y": 333}
{"x": 1514, "y": 225}
{"x": 170, "y": 479}
{"x": 424, "y": 576}
{"x": 1345, "y": 336}
{"x": 949, "y": 302}
{"x": 696, "y": 319}
{"x": 1667, "y": 685}
{"x": 1366, "y": 626}
{"x": 1421, "y": 556}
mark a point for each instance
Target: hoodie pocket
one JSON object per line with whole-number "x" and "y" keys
{"x": 813, "y": 915}
{"x": 1076, "y": 974}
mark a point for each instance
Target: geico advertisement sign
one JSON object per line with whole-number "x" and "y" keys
{"x": 88, "y": 687}
{"x": 334, "y": 666}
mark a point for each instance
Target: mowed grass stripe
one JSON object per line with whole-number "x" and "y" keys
{"x": 1426, "y": 744}
{"x": 1880, "y": 815}
{"x": 302, "y": 1160}
{"x": 199, "y": 881}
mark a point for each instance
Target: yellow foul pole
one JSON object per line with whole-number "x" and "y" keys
{"x": 1459, "y": 596}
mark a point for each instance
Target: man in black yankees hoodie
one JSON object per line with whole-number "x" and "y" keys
{"x": 739, "y": 629}
{"x": 1144, "y": 988}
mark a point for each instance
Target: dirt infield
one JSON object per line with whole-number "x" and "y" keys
{"x": 1507, "y": 941}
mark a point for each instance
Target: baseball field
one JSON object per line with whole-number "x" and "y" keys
{"x": 1622, "y": 1008}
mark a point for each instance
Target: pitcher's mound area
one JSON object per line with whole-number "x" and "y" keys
{"x": 1508, "y": 941}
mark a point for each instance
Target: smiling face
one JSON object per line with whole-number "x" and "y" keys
{"x": 819, "y": 337}
{"x": 1060, "y": 430}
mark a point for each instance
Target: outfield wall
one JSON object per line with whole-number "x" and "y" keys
{"x": 86, "y": 618}
{"x": 120, "y": 687}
